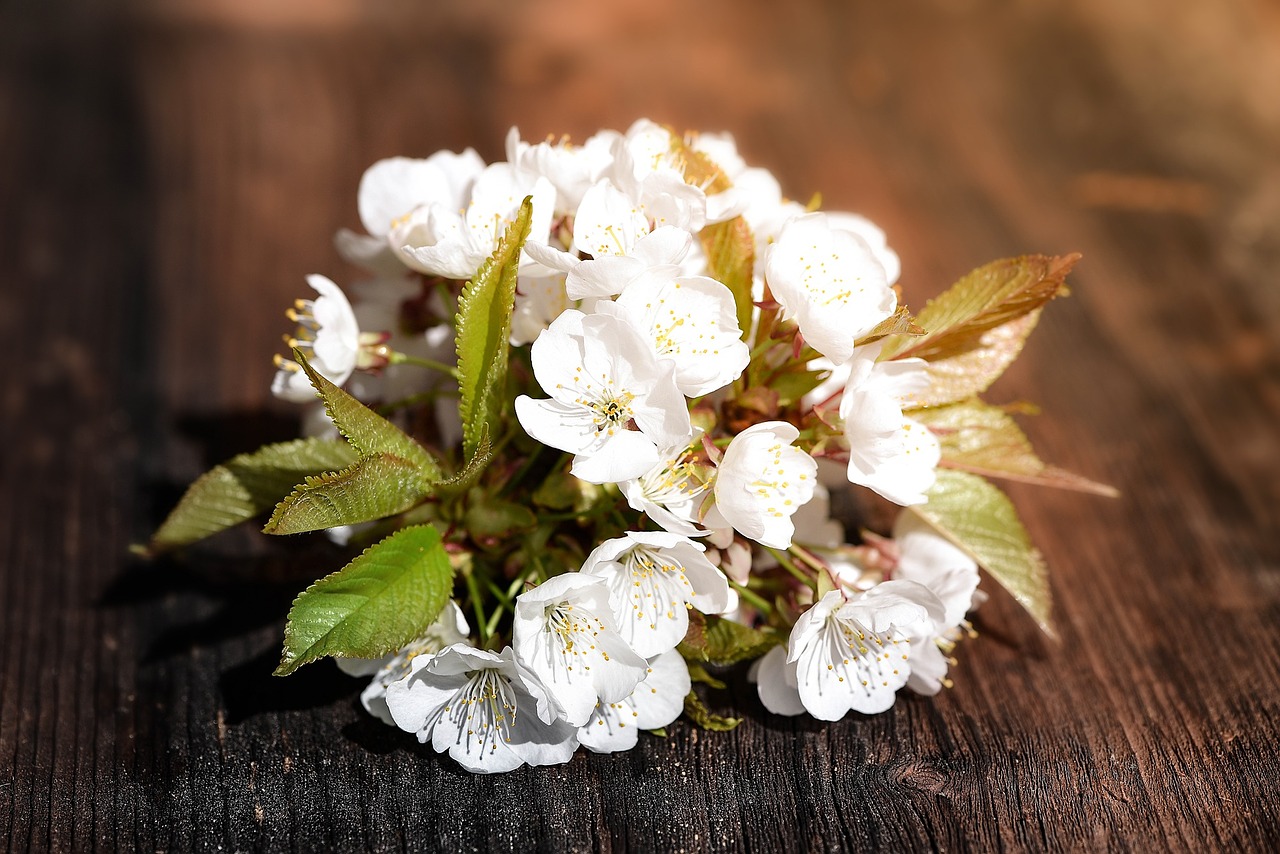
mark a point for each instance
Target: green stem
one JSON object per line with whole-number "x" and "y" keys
{"x": 815, "y": 562}
{"x": 473, "y": 593}
{"x": 395, "y": 357}
{"x": 785, "y": 563}
{"x": 761, "y": 604}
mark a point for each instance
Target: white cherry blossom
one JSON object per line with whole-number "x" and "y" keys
{"x": 669, "y": 493}
{"x": 690, "y": 320}
{"x": 612, "y": 404}
{"x": 927, "y": 558}
{"x": 565, "y": 633}
{"x": 850, "y": 654}
{"x": 656, "y": 702}
{"x": 888, "y": 452}
{"x": 539, "y": 301}
{"x": 653, "y": 579}
{"x": 490, "y": 713}
{"x": 329, "y": 336}
{"x": 761, "y": 481}
{"x": 830, "y": 281}
{"x": 449, "y": 628}
{"x": 448, "y": 241}
{"x": 571, "y": 169}
{"x": 391, "y": 188}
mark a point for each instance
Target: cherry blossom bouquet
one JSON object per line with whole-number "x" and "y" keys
{"x": 586, "y": 420}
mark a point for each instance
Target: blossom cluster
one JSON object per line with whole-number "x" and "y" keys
{"x": 679, "y": 431}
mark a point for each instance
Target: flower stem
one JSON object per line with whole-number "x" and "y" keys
{"x": 473, "y": 593}
{"x": 395, "y": 357}
{"x": 815, "y": 562}
{"x": 785, "y": 562}
{"x": 759, "y": 602}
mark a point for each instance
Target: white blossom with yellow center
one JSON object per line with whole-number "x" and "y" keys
{"x": 483, "y": 708}
{"x": 327, "y": 333}
{"x": 830, "y": 280}
{"x": 653, "y": 579}
{"x": 761, "y": 482}
{"x": 690, "y": 320}
{"x": 669, "y": 493}
{"x": 612, "y": 402}
{"x": 564, "y": 631}
{"x": 656, "y": 702}
{"x": 888, "y": 452}
{"x": 849, "y": 654}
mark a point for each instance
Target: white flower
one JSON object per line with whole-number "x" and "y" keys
{"x": 647, "y": 170}
{"x": 449, "y": 628}
{"x": 929, "y": 559}
{"x": 440, "y": 240}
{"x": 614, "y": 233}
{"x": 894, "y": 455}
{"x": 850, "y": 654}
{"x": 830, "y": 281}
{"x": 656, "y": 702}
{"x": 690, "y": 320}
{"x": 668, "y": 493}
{"x": 539, "y": 301}
{"x": 563, "y": 630}
{"x": 391, "y": 188}
{"x": 328, "y": 334}
{"x": 486, "y": 710}
{"x": 653, "y": 579}
{"x": 572, "y": 169}
{"x": 762, "y": 481}
{"x": 612, "y": 404}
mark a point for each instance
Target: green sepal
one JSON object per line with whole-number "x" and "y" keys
{"x": 246, "y": 486}
{"x": 715, "y": 640}
{"x": 698, "y": 712}
{"x": 389, "y": 595}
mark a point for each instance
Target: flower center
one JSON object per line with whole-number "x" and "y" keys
{"x": 612, "y": 411}
{"x": 484, "y": 709}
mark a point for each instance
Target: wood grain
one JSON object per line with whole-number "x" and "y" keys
{"x": 168, "y": 174}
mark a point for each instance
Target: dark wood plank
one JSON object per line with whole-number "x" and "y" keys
{"x": 169, "y": 175}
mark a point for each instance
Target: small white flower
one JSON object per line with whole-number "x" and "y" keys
{"x": 690, "y": 320}
{"x": 564, "y": 632}
{"x": 572, "y": 169}
{"x": 329, "y": 335}
{"x": 391, "y": 188}
{"x": 487, "y": 711}
{"x": 653, "y": 579}
{"x": 442, "y": 241}
{"x": 850, "y": 654}
{"x": 929, "y": 559}
{"x": 539, "y": 301}
{"x": 761, "y": 482}
{"x": 830, "y": 281}
{"x": 656, "y": 702}
{"x": 612, "y": 404}
{"x": 449, "y": 628}
{"x": 669, "y": 493}
{"x": 894, "y": 455}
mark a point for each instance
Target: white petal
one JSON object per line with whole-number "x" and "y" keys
{"x": 776, "y": 683}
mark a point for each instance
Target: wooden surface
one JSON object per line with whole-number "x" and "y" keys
{"x": 170, "y": 171}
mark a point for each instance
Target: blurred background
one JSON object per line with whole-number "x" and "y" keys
{"x": 171, "y": 169}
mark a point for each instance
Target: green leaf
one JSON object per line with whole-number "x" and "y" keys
{"x": 698, "y": 673}
{"x": 731, "y": 257}
{"x": 792, "y": 386}
{"x": 981, "y": 520}
{"x": 484, "y": 326}
{"x": 491, "y": 520}
{"x": 899, "y": 323}
{"x": 470, "y": 473}
{"x": 985, "y": 440}
{"x": 977, "y": 328}
{"x": 704, "y": 717}
{"x": 374, "y": 605}
{"x": 367, "y": 431}
{"x": 716, "y": 640}
{"x": 373, "y": 487}
{"x": 245, "y": 486}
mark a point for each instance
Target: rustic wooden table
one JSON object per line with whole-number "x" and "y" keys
{"x": 170, "y": 170}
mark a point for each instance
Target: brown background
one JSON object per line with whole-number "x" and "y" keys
{"x": 169, "y": 171}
